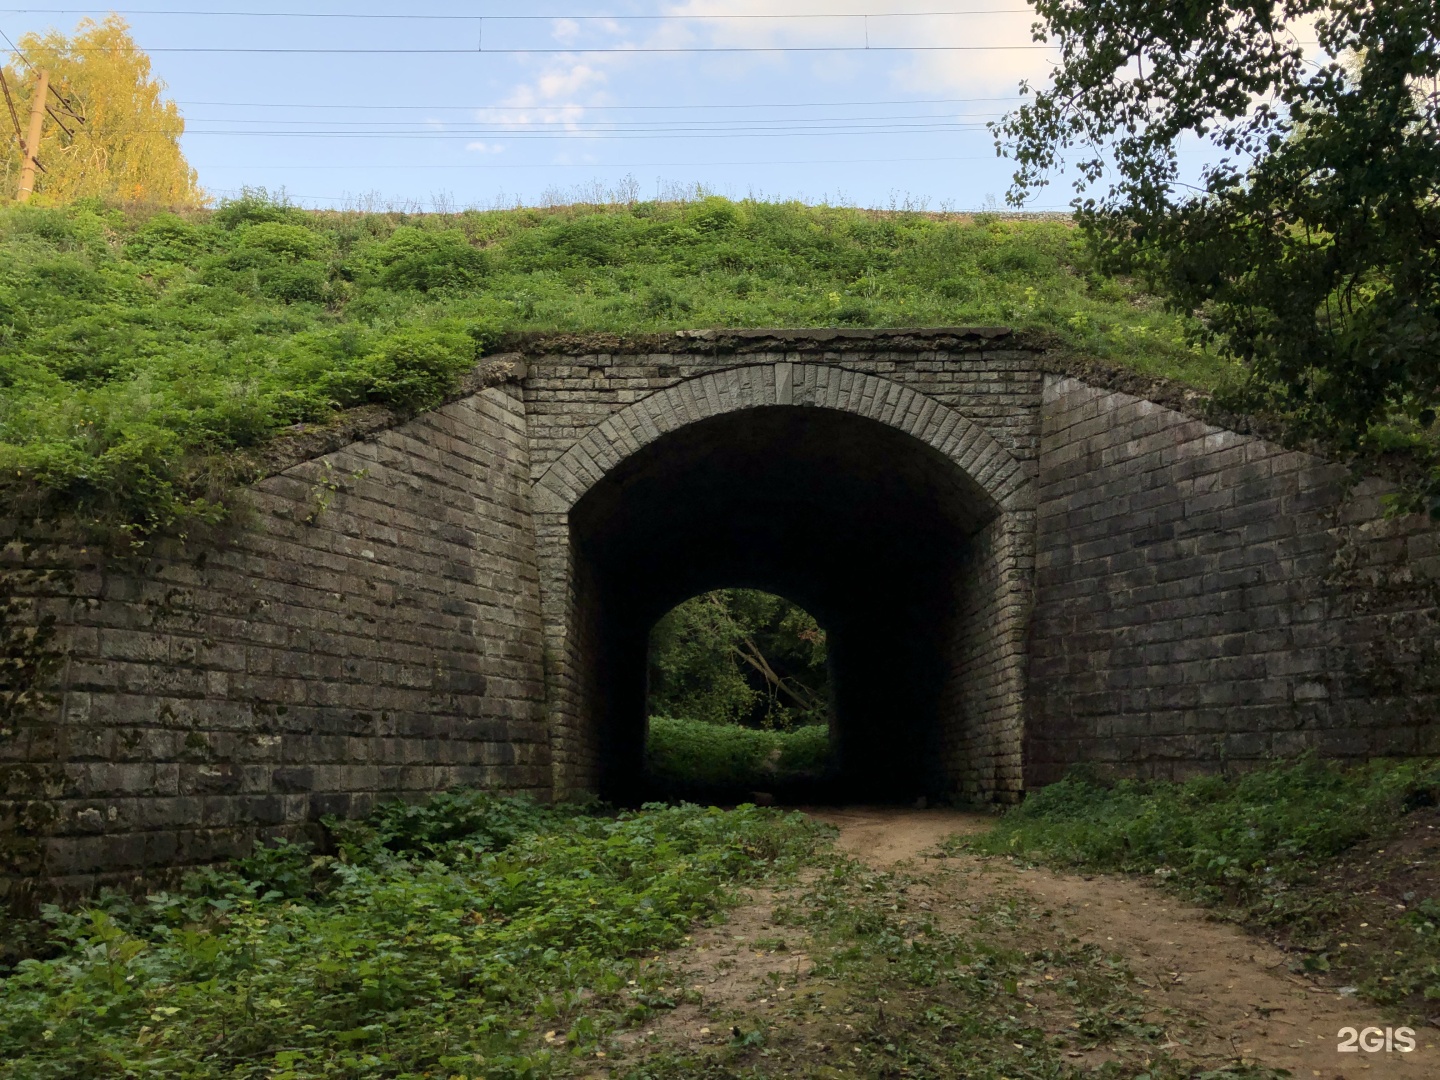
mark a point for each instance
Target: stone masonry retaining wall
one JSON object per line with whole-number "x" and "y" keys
{"x": 1205, "y": 598}
{"x": 373, "y": 630}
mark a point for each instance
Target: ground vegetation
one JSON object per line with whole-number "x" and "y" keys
{"x": 472, "y": 936}
{"x": 704, "y": 761}
{"x": 739, "y": 699}
{"x": 1337, "y": 864}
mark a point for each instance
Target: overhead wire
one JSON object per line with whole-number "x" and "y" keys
{"x": 358, "y": 15}
{"x": 724, "y": 128}
{"x": 521, "y": 137}
{"x": 10, "y": 104}
{"x": 620, "y": 165}
{"x": 69, "y": 108}
{"x": 571, "y": 51}
{"x": 522, "y": 122}
{"x": 608, "y": 108}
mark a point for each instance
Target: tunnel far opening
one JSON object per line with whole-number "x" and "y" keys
{"x": 876, "y": 534}
{"x": 738, "y": 701}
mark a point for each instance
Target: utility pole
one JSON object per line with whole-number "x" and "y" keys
{"x": 31, "y": 147}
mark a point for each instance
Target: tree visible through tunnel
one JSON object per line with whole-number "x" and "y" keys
{"x": 877, "y": 535}
{"x": 738, "y": 700}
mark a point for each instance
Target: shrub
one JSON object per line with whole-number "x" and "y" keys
{"x": 183, "y": 334}
{"x": 422, "y": 259}
{"x": 690, "y": 757}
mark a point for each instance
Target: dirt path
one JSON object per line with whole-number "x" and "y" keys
{"x": 1235, "y": 991}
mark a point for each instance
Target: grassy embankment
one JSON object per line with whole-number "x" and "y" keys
{"x": 139, "y": 352}
{"x": 1339, "y": 865}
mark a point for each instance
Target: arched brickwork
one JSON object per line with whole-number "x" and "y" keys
{"x": 981, "y": 701}
{"x": 973, "y": 450}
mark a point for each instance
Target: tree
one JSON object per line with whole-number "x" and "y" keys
{"x": 1310, "y": 250}
{"x": 128, "y": 148}
{"x": 739, "y": 656}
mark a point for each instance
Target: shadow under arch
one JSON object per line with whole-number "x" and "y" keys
{"x": 900, "y": 525}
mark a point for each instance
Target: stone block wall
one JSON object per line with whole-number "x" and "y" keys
{"x": 986, "y": 687}
{"x": 372, "y": 630}
{"x": 1142, "y": 591}
{"x": 1206, "y": 598}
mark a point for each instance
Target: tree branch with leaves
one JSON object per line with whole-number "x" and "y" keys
{"x": 1310, "y": 250}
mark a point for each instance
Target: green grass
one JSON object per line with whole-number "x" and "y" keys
{"x": 699, "y": 760}
{"x": 139, "y": 352}
{"x": 1297, "y": 851}
{"x": 472, "y": 937}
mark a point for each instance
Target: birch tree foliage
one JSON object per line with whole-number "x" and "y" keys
{"x": 1310, "y": 248}
{"x": 128, "y": 148}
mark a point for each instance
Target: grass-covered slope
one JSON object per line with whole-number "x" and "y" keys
{"x": 137, "y": 350}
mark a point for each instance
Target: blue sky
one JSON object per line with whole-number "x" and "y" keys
{"x": 436, "y": 129}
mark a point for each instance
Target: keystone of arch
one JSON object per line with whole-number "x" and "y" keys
{"x": 965, "y": 443}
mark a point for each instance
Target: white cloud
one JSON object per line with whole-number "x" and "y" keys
{"x": 568, "y": 86}
{"x": 554, "y": 97}
{"x": 967, "y": 72}
{"x": 485, "y": 148}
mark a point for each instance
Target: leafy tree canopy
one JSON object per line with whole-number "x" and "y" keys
{"x": 739, "y": 656}
{"x": 1311, "y": 248}
{"x": 128, "y": 148}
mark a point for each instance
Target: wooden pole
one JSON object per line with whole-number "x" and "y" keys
{"x": 32, "y": 141}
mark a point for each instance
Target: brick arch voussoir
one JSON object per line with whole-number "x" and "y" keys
{"x": 966, "y": 443}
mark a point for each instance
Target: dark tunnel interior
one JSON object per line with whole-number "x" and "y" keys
{"x": 861, "y": 524}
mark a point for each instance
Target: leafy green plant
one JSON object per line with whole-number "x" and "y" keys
{"x": 424, "y": 260}
{"x": 1308, "y": 245}
{"x": 740, "y": 656}
{"x": 388, "y": 960}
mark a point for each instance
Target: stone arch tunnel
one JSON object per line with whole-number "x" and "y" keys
{"x": 1024, "y": 562}
{"x": 896, "y": 520}
{"x": 863, "y": 525}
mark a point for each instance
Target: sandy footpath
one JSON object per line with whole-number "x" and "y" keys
{"x": 1235, "y": 990}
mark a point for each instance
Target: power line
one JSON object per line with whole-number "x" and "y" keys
{"x": 69, "y": 108}
{"x": 733, "y": 123}
{"x": 597, "y": 108}
{"x": 575, "y": 51}
{"x": 630, "y": 165}
{"x": 913, "y": 129}
{"x": 513, "y": 18}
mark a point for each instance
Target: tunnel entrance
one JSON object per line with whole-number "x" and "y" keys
{"x": 899, "y": 553}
